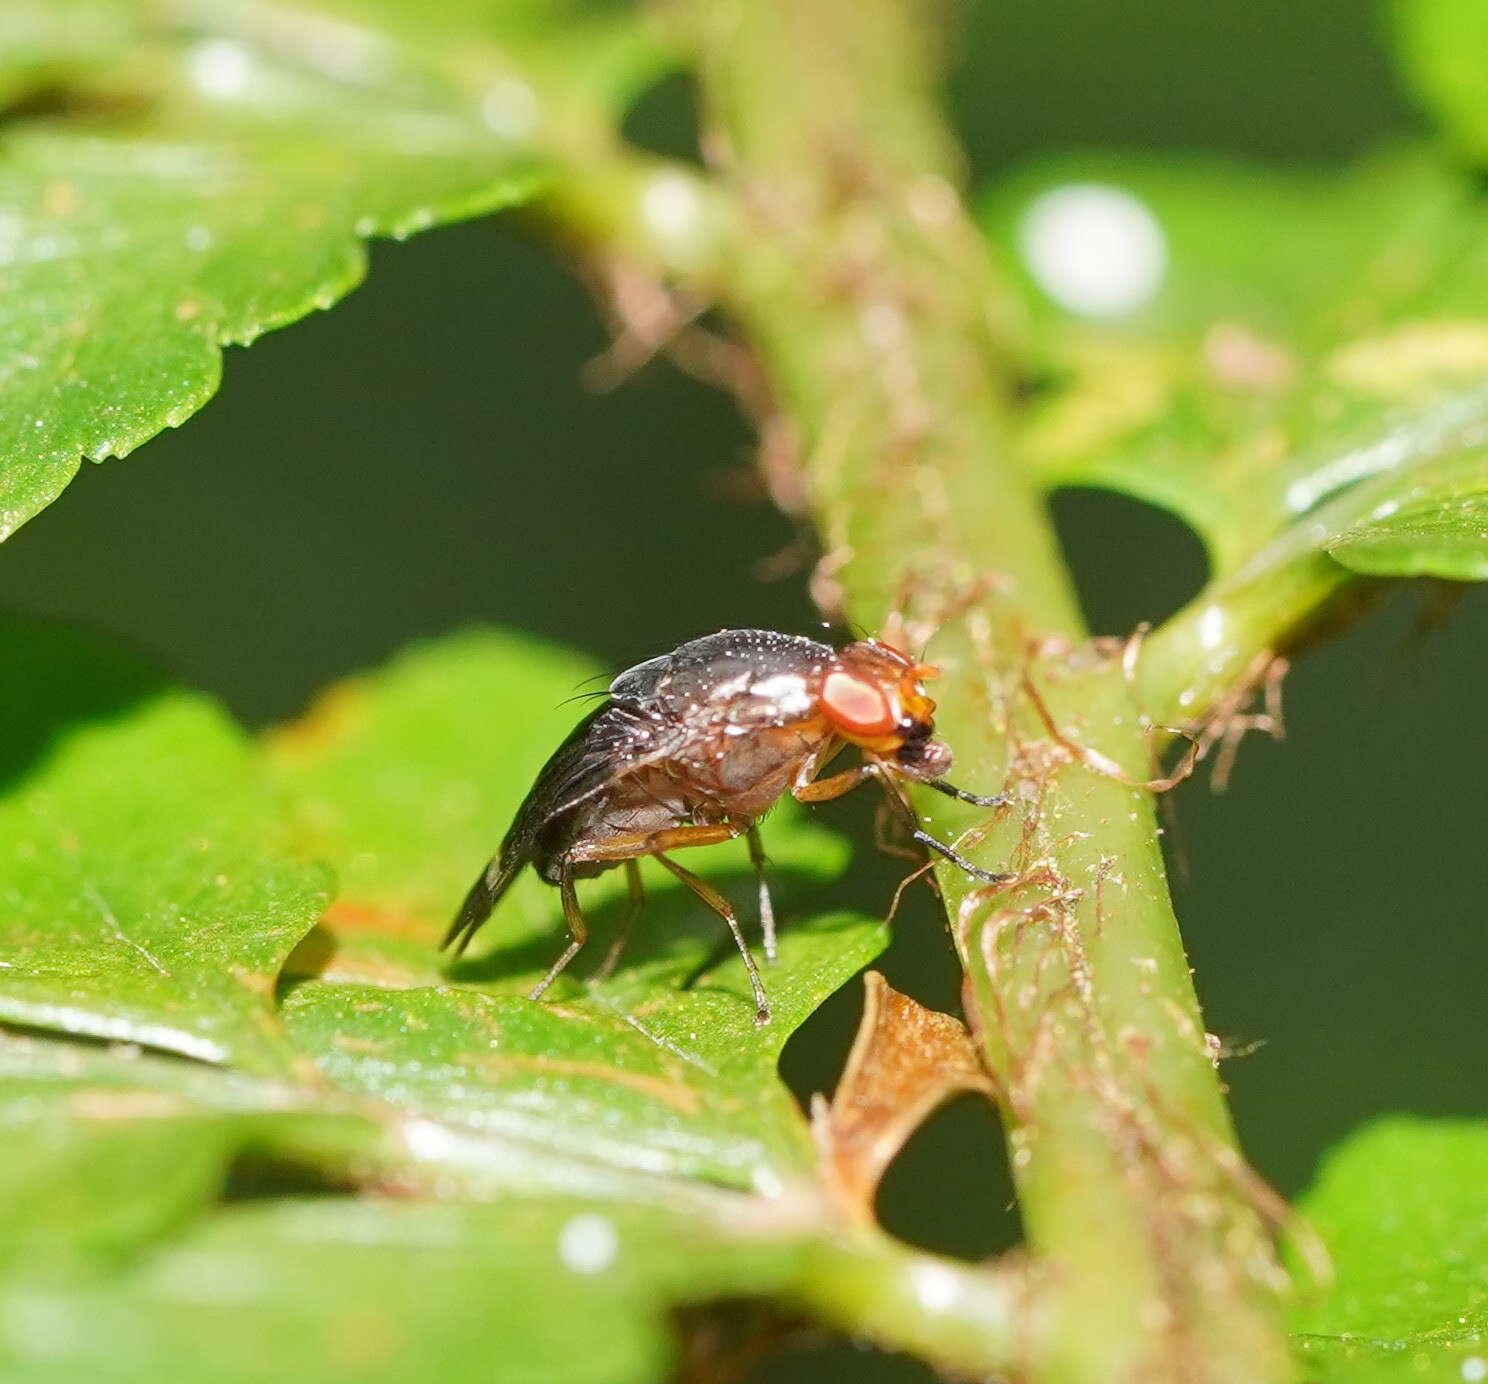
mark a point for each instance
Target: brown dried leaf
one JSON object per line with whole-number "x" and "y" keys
{"x": 905, "y": 1063}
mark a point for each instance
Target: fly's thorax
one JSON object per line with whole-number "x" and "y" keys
{"x": 763, "y": 676}
{"x": 723, "y": 701}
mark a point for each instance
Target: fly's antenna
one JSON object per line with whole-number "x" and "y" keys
{"x": 583, "y": 695}
{"x": 586, "y": 696}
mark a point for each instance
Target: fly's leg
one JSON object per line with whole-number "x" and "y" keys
{"x": 578, "y": 933}
{"x": 638, "y": 843}
{"x": 633, "y": 907}
{"x": 720, "y": 905}
{"x": 960, "y": 861}
{"x": 961, "y": 795}
{"x": 894, "y": 794}
{"x": 630, "y": 848}
{"x": 834, "y": 786}
{"x": 940, "y": 847}
{"x": 884, "y": 838}
{"x": 766, "y": 905}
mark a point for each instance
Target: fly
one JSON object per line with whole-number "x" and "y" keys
{"x": 692, "y": 748}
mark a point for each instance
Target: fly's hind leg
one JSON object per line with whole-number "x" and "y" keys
{"x": 578, "y": 933}
{"x": 654, "y": 843}
{"x": 634, "y": 904}
{"x": 766, "y": 904}
{"x": 720, "y": 905}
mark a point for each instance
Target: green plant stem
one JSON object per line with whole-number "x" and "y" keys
{"x": 958, "y": 1316}
{"x": 861, "y": 285}
{"x": 1193, "y": 664}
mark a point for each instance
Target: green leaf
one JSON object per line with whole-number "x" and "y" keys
{"x": 406, "y": 779}
{"x": 539, "y": 61}
{"x": 107, "y": 1151}
{"x": 341, "y": 1290}
{"x": 82, "y": 1186}
{"x": 114, "y": 1264}
{"x": 1438, "y": 528}
{"x": 43, "y": 44}
{"x": 223, "y": 188}
{"x": 143, "y": 895}
{"x": 1310, "y": 333}
{"x": 1442, "y": 47}
{"x": 1403, "y": 1209}
{"x": 655, "y": 1079}
{"x": 302, "y": 1132}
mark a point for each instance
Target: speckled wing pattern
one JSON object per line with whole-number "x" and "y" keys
{"x": 615, "y": 739}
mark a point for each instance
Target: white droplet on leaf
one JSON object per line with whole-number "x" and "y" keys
{"x": 509, "y": 108}
{"x": 427, "y": 1140}
{"x": 588, "y": 1243}
{"x": 1094, "y": 249}
{"x": 219, "y": 67}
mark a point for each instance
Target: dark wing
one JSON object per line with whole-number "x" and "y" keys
{"x": 612, "y": 741}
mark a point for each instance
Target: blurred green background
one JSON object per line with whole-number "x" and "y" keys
{"x": 425, "y": 456}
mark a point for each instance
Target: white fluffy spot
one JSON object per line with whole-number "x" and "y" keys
{"x": 787, "y": 691}
{"x": 510, "y": 109}
{"x": 1474, "y": 1368}
{"x": 219, "y": 67}
{"x": 588, "y": 1243}
{"x": 1093, "y": 249}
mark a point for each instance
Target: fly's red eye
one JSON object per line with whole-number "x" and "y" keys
{"x": 857, "y": 707}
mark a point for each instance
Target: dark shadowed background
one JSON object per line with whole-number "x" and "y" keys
{"x": 424, "y": 456}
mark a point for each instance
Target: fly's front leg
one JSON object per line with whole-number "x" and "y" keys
{"x": 895, "y": 794}
{"x": 961, "y": 795}
{"x": 809, "y": 790}
{"x": 958, "y": 860}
